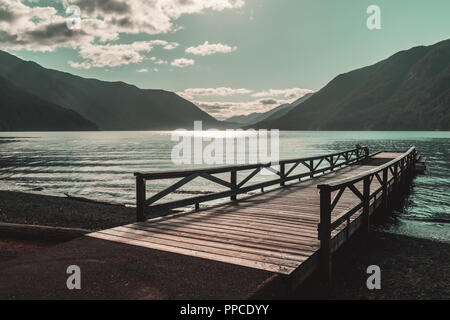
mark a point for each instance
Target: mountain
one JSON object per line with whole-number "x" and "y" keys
{"x": 111, "y": 105}
{"x": 408, "y": 91}
{"x": 256, "y": 116}
{"x": 22, "y": 111}
{"x": 275, "y": 113}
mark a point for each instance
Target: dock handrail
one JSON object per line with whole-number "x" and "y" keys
{"x": 401, "y": 169}
{"x": 336, "y": 161}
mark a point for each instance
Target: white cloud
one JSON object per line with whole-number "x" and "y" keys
{"x": 205, "y": 92}
{"x": 171, "y": 46}
{"x": 165, "y": 44}
{"x": 247, "y": 104}
{"x": 113, "y": 55}
{"x": 208, "y": 49}
{"x": 223, "y": 110}
{"x": 287, "y": 93}
{"x": 160, "y": 61}
{"x": 182, "y": 63}
{"x": 144, "y": 70}
{"x": 79, "y": 65}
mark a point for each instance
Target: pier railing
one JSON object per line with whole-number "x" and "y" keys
{"x": 392, "y": 177}
{"x": 284, "y": 170}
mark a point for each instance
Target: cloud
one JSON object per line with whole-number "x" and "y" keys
{"x": 182, "y": 63}
{"x": 79, "y": 65}
{"x": 205, "y": 92}
{"x": 142, "y": 70}
{"x": 223, "y": 110}
{"x": 287, "y": 93}
{"x": 103, "y": 6}
{"x": 166, "y": 45}
{"x": 161, "y": 61}
{"x": 244, "y": 105}
{"x": 268, "y": 101}
{"x": 208, "y": 49}
{"x": 35, "y": 26}
{"x": 151, "y": 17}
{"x": 113, "y": 55}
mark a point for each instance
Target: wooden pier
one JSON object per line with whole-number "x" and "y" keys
{"x": 292, "y": 230}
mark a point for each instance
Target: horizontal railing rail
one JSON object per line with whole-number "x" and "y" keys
{"x": 400, "y": 170}
{"x": 284, "y": 171}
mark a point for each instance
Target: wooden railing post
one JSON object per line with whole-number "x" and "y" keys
{"x": 140, "y": 198}
{"x": 385, "y": 188}
{"x": 325, "y": 233}
{"x": 311, "y": 169}
{"x": 282, "y": 173}
{"x": 366, "y": 204}
{"x": 233, "y": 181}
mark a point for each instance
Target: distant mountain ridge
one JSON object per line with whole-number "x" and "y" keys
{"x": 408, "y": 91}
{"x": 22, "y": 111}
{"x": 111, "y": 105}
{"x": 275, "y": 113}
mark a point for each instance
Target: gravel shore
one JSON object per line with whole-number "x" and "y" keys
{"x": 27, "y": 208}
{"x": 411, "y": 268}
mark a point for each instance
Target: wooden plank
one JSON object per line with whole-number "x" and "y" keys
{"x": 239, "y": 231}
{"x": 249, "y": 218}
{"x": 205, "y": 248}
{"x": 198, "y": 254}
{"x": 277, "y": 245}
{"x": 214, "y": 242}
{"x": 247, "y": 227}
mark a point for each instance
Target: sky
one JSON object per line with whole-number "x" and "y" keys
{"x": 230, "y": 57}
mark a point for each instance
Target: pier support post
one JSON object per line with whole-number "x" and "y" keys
{"x": 410, "y": 170}
{"x": 140, "y": 198}
{"x": 282, "y": 173}
{"x": 385, "y": 188}
{"x": 402, "y": 174}
{"x": 366, "y": 204}
{"x": 325, "y": 234}
{"x": 395, "y": 178}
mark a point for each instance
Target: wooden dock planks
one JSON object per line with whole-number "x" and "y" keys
{"x": 274, "y": 231}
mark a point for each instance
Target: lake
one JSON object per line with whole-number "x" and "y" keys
{"x": 100, "y": 165}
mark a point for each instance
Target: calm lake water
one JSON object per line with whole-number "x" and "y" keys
{"x": 100, "y": 166}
